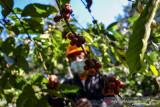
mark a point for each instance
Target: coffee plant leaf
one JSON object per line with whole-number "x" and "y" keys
{"x": 139, "y": 38}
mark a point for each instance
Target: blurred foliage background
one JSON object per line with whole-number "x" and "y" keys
{"x": 35, "y": 46}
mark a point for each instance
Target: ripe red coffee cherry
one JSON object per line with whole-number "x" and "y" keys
{"x": 74, "y": 40}
{"x": 98, "y": 65}
{"x": 104, "y": 92}
{"x": 87, "y": 62}
{"x": 116, "y": 88}
{"x": 111, "y": 91}
{"x": 68, "y": 10}
{"x": 86, "y": 67}
{"x": 112, "y": 85}
{"x": 121, "y": 85}
{"x": 81, "y": 40}
{"x": 57, "y": 18}
{"x": 94, "y": 60}
{"x": 92, "y": 71}
{"x": 117, "y": 82}
{"x": 66, "y": 15}
{"x": 67, "y": 5}
{"x": 70, "y": 36}
{"x": 112, "y": 79}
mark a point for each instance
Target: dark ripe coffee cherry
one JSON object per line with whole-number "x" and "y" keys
{"x": 74, "y": 40}
{"x": 86, "y": 67}
{"x": 121, "y": 85}
{"x": 117, "y": 82}
{"x": 98, "y": 65}
{"x": 81, "y": 40}
{"x": 78, "y": 45}
{"x": 111, "y": 91}
{"x": 57, "y": 18}
{"x": 112, "y": 85}
{"x": 92, "y": 71}
{"x": 87, "y": 62}
{"x": 116, "y": 88}
{"x": 94, "y": 60}
{"x": 66, "y": 15}
{"x": 104, "y": 92}
{"x": 116, "y": 92}
{"x": 71, "y": 43}
{"x": 112, "y": 79}
{"x": 105, "y": 84}
{"x": 70, "y": 36}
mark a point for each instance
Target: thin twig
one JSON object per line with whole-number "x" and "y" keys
{"x": 86, "y": 54}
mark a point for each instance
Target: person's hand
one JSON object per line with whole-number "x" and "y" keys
{"x": 53, "y": 82}
{"x": 83, "y": 102}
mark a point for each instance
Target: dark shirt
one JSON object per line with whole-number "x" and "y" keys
{"x": 92, "y": 90}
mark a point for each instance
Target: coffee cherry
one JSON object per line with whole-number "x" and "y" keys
{"x": 94, "y": 60}
{"x": 87, "y": 62}
{"x": 67, "y": 5}
{"x": 112, "y": 79}
{"x": 86, "y": 67}
{"x": 111, "y": 91}
{"x": 81, "y": 40}
{"x": 121, "y": 85}
{"x": 92, "y": 71}
{"x": 66, "y": 15}
{"x": 74, "y": 40}
{"x": 116, "y": 88}
{"x": 116, "y": 92}
{"x": 70, "y": 36}
{"x": 78, "y": 45}
{"x": 68, "y": 10}
{"x": 104, "y": 92}
{"x": 71, "y": 43}
{"x": 105, "y": 84}
{"x": 112, "y": 85}
{"x": 98, "y": 65}
{"x": 57, "y": 18}
{"x": 117, "y": 82}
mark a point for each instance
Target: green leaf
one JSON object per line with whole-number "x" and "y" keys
{"x": 7, "y": 6}
{"x": 8, "y": 45}
{"x": 138, "y": 40}
{"x": 95, "y": 50}
{"x": 112, "y": 25}
{"x": 117, "y": 36}
{"x": 38, "y": 79}
{"x": 17, "y": 11}
{"x": 53, "y": 92}
{"x": 63, "y": 2}
{"x": 1, "y": 29}
{"x": 21, "y": 62}
{"x": 33, "y": 25}
{"x": 21, "y": 50}
{"x": 27, "y": 98}
{"x": 133, "y": 18}
{"x": 15, "y": 30}
{"x": 43, "y": 102}
{"x": 38, "y": 10}
{"x": 154, "y": 70}
{"x": 67, "y": 88}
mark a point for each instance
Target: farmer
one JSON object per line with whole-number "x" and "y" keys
{"x": 90, "y": 93}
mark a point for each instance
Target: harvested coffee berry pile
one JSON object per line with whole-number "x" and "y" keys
{"x": 112, "y": 87}
{"x": 89, "y": 68}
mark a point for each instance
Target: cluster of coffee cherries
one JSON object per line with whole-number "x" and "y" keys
{"x": 112, "y": 87}
{"x": 52, "y": 84}
{"x": 76, "y": 40}
{"x": 89, "y": 68}
{"x": 65, "y": 13}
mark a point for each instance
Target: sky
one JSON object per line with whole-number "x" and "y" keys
{"x": 104, "y": 11}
